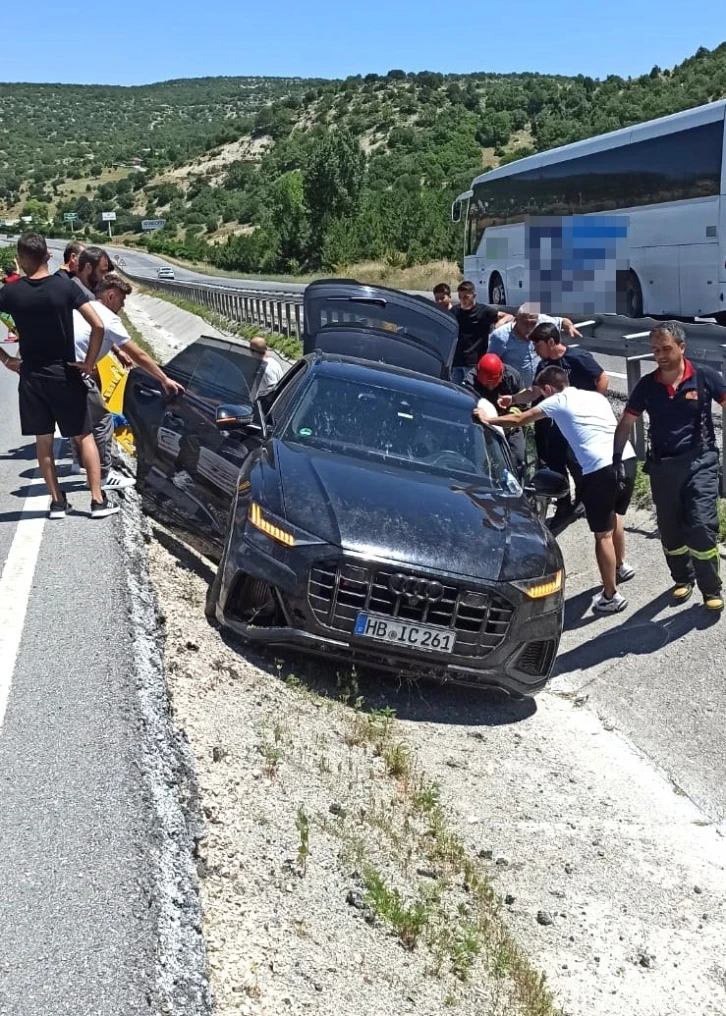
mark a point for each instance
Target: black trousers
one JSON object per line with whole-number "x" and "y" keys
{"x": 554, "y": 451}
{"x": 685, "y": 494}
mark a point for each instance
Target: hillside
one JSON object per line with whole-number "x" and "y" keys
{"x": 266, "y": 174}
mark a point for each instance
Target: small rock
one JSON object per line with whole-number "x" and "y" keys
{"x": 369, "y": 917}
{"x": 502, "y": 862}
{"x": 427, "y": 873}
{"x": 486, "y": 855}
{"x": 476, "y": 735}
{"x": 544, "y": 918}
{"x": 218, "y": 753}
{"x": 697, "y": 890}
{"x": 337, "y": 809}
{"x": 192, "y": 647}
{"x": 355, "y": 899}
{"x": 317, "y": 985}
{"x": 644, "y": 960}
{"x": 509, "y": 899}
{"x": 569, "y": 869}
{"x": 455, "y": 763}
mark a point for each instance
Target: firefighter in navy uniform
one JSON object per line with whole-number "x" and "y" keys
{"x": 682, "y": 461}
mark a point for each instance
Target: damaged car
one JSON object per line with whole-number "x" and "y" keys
{"x": 357, "y": 511}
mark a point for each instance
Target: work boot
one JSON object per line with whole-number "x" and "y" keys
{"x": 681, "y": 592}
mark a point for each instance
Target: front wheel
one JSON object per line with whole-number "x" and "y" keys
{"x": 497, "y": 292}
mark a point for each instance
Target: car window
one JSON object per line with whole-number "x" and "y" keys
{"x": 276, "y": 407}
{"x": 411, "y": 431}
{"x": 224, "y": 376}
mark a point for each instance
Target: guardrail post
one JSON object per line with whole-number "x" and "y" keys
{"x": 298, "y": 325}
{"x": 279, "y": 317}
{"x": 633, "y": 369}
{"x": 288, "y": 320}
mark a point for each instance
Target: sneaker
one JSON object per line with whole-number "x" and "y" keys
{"x": 117, "y": 481}
{"x": 625, "y": 571}
{"x": 58, "y": 509}
{"x": 100, "y": 509}
{"x": 602, "y": 605}
{"x": 682, "y": 591}
{"x": 713, "y": 602}
{"x": 76, "y": 469}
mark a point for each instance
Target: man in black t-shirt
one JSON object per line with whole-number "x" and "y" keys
{"x": 476, "y": 321}
{"x": 53, "y": 387}
{"x": 582, "y": 369}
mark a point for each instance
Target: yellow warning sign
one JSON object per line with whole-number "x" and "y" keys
{"x": 113, "y": 384}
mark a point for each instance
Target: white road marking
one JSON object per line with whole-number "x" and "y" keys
{"x": 16, "y": 583}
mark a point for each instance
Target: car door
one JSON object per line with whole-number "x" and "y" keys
{"x": 191, "y": 467}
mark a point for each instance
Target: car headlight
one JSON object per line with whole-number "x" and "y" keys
{"x": 277, "y": 529}
{"x": 536, "y": 589}
{"x": 268, "y": 527}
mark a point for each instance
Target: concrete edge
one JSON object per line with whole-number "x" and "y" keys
{"x": 181, "y": 977}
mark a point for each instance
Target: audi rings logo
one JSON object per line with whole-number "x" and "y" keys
{"x": 415, "y": 591}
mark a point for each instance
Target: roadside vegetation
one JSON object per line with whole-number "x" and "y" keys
{"x": 291, "y": 177}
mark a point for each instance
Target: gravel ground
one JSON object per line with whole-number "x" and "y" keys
{"x": 329, "y": 881}
{"x": 612, "y": 883}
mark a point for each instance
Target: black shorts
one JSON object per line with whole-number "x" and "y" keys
{"x": 601, "y": 500}
{"x": 52, "y": 396}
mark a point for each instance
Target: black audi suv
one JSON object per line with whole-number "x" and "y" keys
{"x": 357, "y": 510}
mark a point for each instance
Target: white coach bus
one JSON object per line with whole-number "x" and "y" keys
{"x": 667, "y": 178}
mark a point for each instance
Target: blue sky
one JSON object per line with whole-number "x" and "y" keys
{"x": 136, "y": 42}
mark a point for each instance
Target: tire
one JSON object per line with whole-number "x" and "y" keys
{"x": 215, "y": 587}
{"x": 720, "y": 318}
{"x": 497, "y": 292}
{"x": 633, "y": 296}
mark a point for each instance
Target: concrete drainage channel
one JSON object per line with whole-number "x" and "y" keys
{"x": 181, "y": 972}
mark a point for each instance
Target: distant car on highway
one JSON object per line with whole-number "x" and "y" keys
{"x": 357, "y": 511}
{"x": 165, "y": 272}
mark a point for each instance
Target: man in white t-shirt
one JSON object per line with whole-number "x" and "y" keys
{"x": 273, "y": 368}
{"x": 588, "y": 424}
{"x": 111, "y": 295}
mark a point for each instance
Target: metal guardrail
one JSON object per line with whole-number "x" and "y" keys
{"x": 607, "y": 334}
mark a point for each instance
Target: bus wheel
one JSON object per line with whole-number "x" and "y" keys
{"x": 497, "y": 292}
{"x": 720, "y": 317}
{"x": 633, "y": 296}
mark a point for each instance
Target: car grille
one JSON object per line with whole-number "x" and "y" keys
{"x": 338, "y": 591}
{"x": 536, "y": 658}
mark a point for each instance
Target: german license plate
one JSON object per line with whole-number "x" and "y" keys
{"x": 402, "y": 634}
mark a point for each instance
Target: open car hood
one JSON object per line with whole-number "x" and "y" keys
{"x": 379, "y": 324}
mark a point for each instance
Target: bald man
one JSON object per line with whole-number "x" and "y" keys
{"x": 273, "y": 368}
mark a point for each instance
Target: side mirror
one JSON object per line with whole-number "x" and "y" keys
{"x": 236, "y": 418}
{"x": 547, "y": 483}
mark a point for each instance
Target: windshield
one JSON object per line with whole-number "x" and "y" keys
{"x": 409, "y": 431}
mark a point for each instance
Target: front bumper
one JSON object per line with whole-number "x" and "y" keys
{"x": 517, "y": 660}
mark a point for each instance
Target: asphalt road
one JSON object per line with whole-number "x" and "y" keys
{"x": 81, "y": 911}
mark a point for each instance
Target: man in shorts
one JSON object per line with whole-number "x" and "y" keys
{"x": 588, "y": 424}
{"x": 53, "y": 387}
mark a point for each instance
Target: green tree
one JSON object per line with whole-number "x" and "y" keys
{"x": 332, "y": 182}
{"x": 289, "y": 218}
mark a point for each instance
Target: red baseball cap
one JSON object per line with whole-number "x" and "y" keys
{"x": 490, "y": 369}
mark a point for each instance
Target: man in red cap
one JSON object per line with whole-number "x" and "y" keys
{"x": 489, "y": 380}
